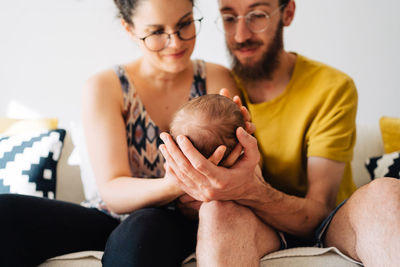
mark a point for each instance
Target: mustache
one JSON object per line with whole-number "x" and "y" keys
{"x": 247, "y": 44}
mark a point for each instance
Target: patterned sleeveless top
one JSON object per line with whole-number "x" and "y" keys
{"x": 142, "y": 134}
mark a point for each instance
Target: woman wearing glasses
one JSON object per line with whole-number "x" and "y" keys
{"x": 124, "y": 112}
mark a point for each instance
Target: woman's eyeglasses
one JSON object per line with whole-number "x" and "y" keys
{"x": 158, "y": 40}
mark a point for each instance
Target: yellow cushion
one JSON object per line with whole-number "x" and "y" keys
{"x": 390, "y": 129}
{"x": 10, "y": 126}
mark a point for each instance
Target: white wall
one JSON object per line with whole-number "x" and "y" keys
{"x": 49, "y": 48}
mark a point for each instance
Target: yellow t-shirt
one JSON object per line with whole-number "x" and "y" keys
{"x": 314, "y": 116}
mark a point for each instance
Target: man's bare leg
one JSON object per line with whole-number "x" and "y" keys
{"x": 367, "y": 227}
{"x": 231, "y": 235}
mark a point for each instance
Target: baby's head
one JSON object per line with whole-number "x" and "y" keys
{"x": 209, "y": 121}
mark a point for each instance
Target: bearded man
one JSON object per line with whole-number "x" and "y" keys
{"x": 304, "y": 112}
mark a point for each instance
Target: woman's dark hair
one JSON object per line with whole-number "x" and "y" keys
{"x": 284, "y": 2}
{"x": 126, "y": 8}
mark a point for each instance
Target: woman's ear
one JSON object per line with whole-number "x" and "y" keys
{"x": 288, "y": 13}
{"x": 128, "y": 28}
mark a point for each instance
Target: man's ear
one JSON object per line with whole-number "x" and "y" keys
{"x": 128, "y": 28}
{"x": 288, "y": 13}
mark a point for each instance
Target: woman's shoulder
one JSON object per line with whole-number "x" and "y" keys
{"x": 219, "y": 77}
{"x": 102, "y": 86}
{"x": 102, "y": 79}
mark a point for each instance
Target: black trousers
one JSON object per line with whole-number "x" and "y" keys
{"x": 34, "y": 229}
{"x": 151, "y": 237}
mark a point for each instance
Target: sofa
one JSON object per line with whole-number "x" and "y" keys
{"x": 69, "y": 188}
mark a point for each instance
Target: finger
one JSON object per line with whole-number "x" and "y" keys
{"x": 224, "y": 92}
{"x": 250, "y": 127}
{"x": 176, "y": 158}
{"x": 233, "y": 156}
{"x": 245, "y": 113}
{"x": 218, "y": 154}
{"x": 188, "y": 176}
{"x": 192, "y": 192}
{"x": 204, "y": 168}
{"x": 169, "y": 161}
{"x": 171, "y": 166}
{"x": 249, "y": 144}
{"x": 237, "y": 100}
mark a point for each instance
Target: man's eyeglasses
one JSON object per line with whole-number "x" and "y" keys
{"x": 159, "y": 40}
{"x": 257, "y": 21}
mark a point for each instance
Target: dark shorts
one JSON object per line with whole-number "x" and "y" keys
{"x": 320, "y": 232}
{"x": 290, "y": 241}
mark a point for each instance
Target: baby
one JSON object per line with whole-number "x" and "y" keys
{"x": 209, "y": 121}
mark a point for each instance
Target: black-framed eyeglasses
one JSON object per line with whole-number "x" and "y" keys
{"x": 159, "y": 40}
{"x": 257, "y": 21}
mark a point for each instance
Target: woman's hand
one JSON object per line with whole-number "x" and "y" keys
{"x": 172, "y": 181}
{"x": 187, "y": 205}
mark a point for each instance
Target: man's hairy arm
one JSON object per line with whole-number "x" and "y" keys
{"x": 296, "y": 215}
{"x": 242, "y": 183}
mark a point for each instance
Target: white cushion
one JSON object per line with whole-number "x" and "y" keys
{"x": 368, "y": 144}
{"x": 81, "y": 158}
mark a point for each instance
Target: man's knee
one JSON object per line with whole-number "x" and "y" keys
{"x": 225, "y": 220}
{"x": 222, "y": 218}
{"x": 216, "y": 208}
{"x": 382, "y": 191}
{"x": 381, "y": 196}
{"x": 225, "y": 212}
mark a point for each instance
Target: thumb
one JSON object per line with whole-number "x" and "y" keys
{"x": 249, "y": 144}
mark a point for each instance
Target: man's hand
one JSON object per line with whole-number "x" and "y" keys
{"x": 202, "y": 179}
{"x": 250, "y": 127}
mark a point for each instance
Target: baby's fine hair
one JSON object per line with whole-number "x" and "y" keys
{"x": 209, "y": 121}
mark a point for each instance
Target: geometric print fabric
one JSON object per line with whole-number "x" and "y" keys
{"x": 28, "y": 162}
{"x": 387, "y": 165}
{"x": 142, "y": 133}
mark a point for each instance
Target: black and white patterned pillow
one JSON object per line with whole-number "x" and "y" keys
{"x": 28, "y": 162}
{"x": 387, "y": 165}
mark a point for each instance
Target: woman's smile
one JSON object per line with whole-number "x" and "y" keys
{"x": 176, "y": 55}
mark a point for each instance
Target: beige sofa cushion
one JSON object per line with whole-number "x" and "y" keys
{"x": 296, "y": 257}
{"x": 78, "y": 259}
